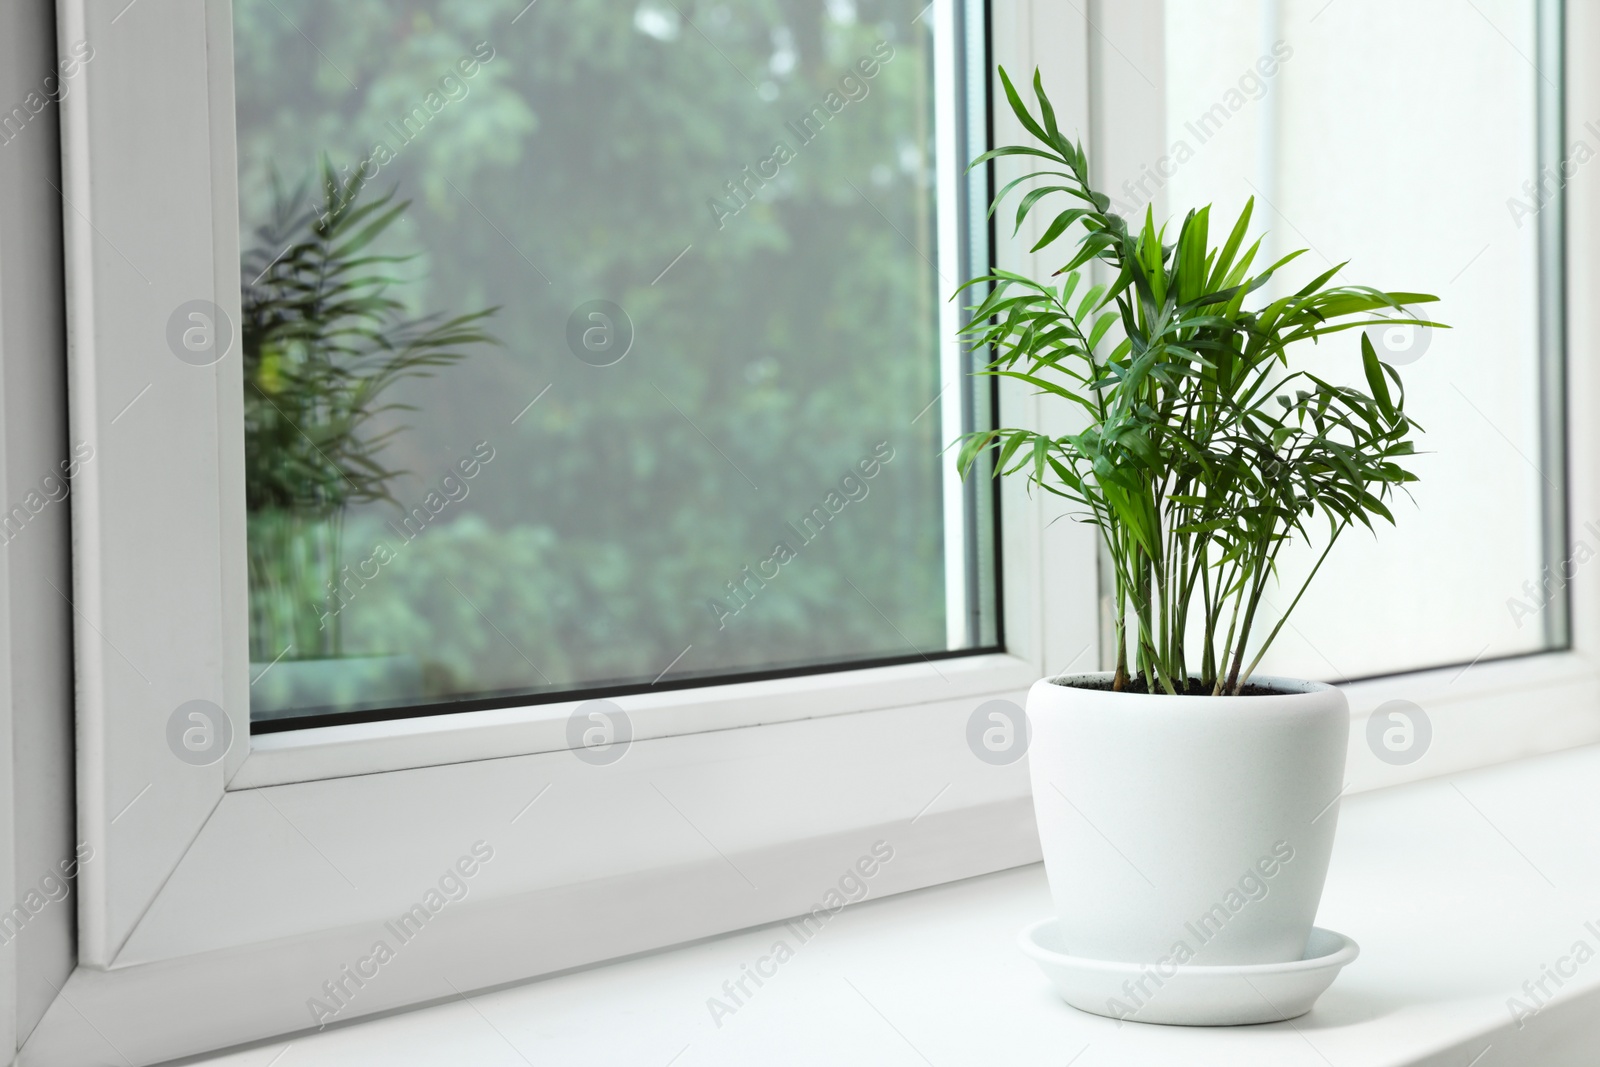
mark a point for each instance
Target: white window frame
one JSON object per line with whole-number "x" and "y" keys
{"x": 221, "y": 898}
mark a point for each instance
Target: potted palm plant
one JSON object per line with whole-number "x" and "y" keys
{"x": 1186, "y": 806}
{"x": 324, "y": 339}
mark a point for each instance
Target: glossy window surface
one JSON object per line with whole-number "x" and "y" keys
{"x": 1402, "y": 138}
{"x": 592, "y": 345}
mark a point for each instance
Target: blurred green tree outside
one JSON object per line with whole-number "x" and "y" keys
{"x": 779, "y": 334}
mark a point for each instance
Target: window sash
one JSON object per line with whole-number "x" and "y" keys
{"x": 160, "y": 582}
{"x": 957, "y": 403}
{"x": 1128, "y": 108}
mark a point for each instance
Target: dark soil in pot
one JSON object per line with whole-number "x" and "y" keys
{"x": 1194, "y": 688}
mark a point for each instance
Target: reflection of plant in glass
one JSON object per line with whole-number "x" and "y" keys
{"x": 1205, "y": 452}
{"x": 323, "y": 340}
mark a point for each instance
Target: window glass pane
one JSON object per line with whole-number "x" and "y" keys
{"x": 618, "y": 367}
{"x": 1409, "y": 160}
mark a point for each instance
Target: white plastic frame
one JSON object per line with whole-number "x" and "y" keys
{"x": 223, "y": 897}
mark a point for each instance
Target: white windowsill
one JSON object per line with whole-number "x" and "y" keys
{"x": 1458, "y": 889}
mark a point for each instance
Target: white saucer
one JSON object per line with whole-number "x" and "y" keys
{"x": 1190, "y": 995}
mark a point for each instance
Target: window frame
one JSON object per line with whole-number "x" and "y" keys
{"x": 180, "y": 951}
{"x": 969, "y": 509}
{"x": 166, "y": 915}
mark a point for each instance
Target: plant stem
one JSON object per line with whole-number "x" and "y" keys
{"x": 1288, "y": 611}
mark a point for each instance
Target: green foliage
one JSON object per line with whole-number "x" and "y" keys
{"x": 323, "y": 340}
{"x": 292, "y": 557}
{"x": 794, "y": 336}
{"x": 561, "y": 603}
{"x": 1205, "y": 452}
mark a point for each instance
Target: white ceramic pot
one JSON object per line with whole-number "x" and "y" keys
{"x": 1179, "y": 828}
